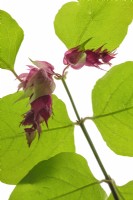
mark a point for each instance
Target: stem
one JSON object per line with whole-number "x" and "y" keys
{"x": 16, "y": 75}
{"x": 107, "y": 177}
{"x": 71, "y": 99}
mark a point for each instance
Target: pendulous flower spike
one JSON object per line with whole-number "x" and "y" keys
{"x": 78, "y": 57}
{"x": 38, "y": 85}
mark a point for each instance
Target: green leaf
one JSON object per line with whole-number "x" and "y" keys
{"x": 125, "y": 192}
{"x": 16, "y": 158}
{"x": 106, "y": 21}
{"x": 65, "y": 176}
{"x": 11, "y": 36}
{"x": 112, "y": 99}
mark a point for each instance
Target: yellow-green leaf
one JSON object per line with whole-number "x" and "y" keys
{"x": 65, "y": 176}
{"x": 112, "y": 99}
{"x": 16, "y": 158}
{"x": 11, "y": 36}
{"x": 105, "y": 21}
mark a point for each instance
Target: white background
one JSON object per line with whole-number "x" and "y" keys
{"x": 40, "y": 43}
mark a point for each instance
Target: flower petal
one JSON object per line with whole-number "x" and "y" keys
{"x": 74, "y": 58}
{"x": 43, "y": 64}
{"x": 30, "y": 135}
{"x": 42, "y": 108}
{"x": 42, "y": 85}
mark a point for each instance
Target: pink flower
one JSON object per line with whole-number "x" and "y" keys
{"x": 38, "y": 85}
{"x": 77, "y": 57}
{"x": 39, "y": 81}
{"x": 41, "y": 110}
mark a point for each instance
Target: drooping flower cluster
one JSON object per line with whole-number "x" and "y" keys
{"x": 77, "y": 57}
{"x": 38, "y": 85}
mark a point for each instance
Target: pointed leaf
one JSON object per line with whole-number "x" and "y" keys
{"x": 125, "y": 192}
{"x": 16, "y": 158}
{"x": 65, "y": 176}
{"x": 11, "y": 36}
{"x": 78, "y": 21}
{"x": 112, "y": 99}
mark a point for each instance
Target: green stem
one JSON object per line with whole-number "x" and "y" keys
{"x": 107, "y": 177}
{"x": 71, "y": 99}
{"x": 16, "y": 75}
